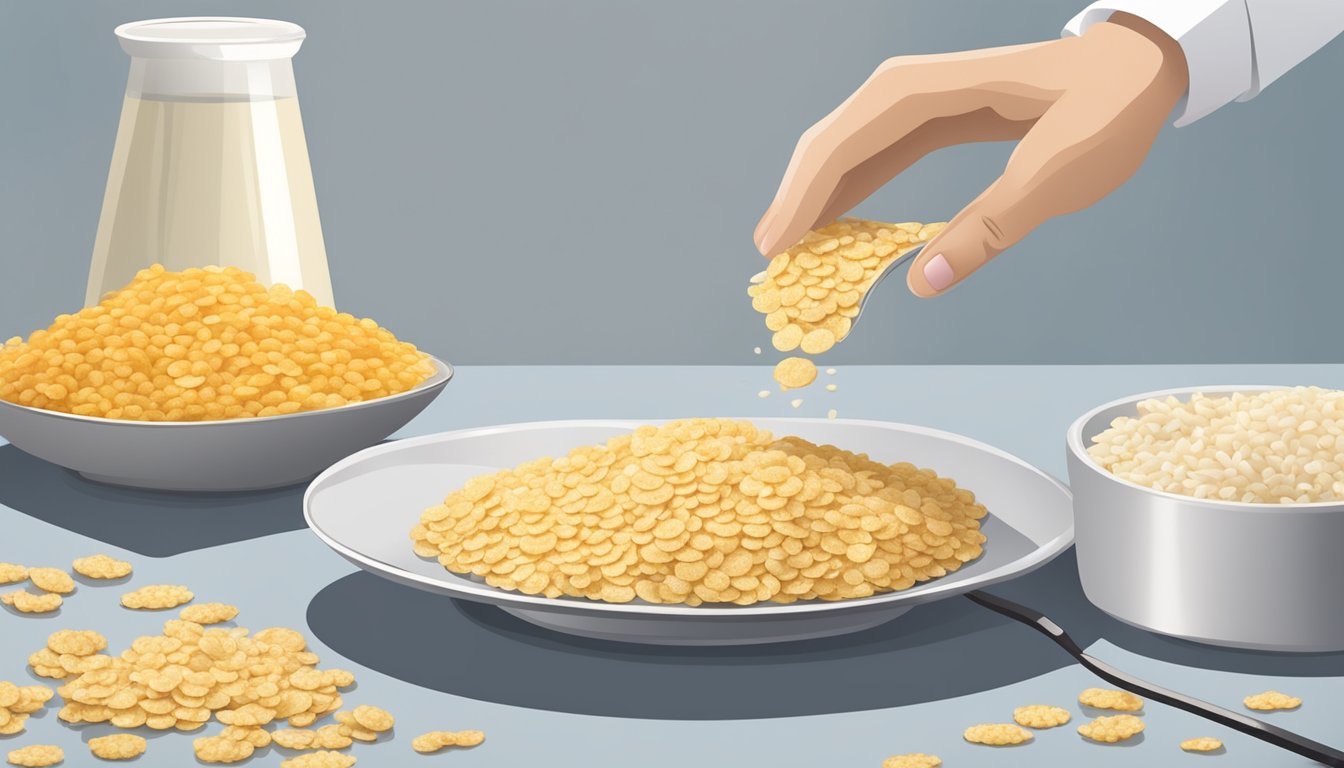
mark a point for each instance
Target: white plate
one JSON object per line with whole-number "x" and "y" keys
{"x": 232, "y": 455}
{"x": 365, "y": 506}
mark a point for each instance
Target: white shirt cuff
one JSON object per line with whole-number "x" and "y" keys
{"x": 1288, "y": 31}
{"x": 1215, "y": 36}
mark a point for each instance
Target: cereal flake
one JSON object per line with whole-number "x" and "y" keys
{"x": 52, "y": 580}
{"x": 1112, "y": 729}
{"x": 912, "y": 760}
{"x": 795, "y": 372}
{"x": 26, "y": 602}
{"x": 36, "y": 755}
{"x": 996, "y": 734}
{"x": 102, "y": 567}
{"x": 1271, "y": 700}
{"x": 218, "y": 749}
{"x": 436, "y": 740}
{"x": 12, "y": 573}
{"x": 1102, "y": 698}
{"x": 1202, "y": 744}
{"x": 320, "y": 760}
{"x": 1040, "y": 716}
{"x": 76, "y": 642}
{"x": 209, "y": 613}
{"x": 157, "y": 597}
{"x": 118, "y": 746}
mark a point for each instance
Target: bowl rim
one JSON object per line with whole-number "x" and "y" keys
{"x": 938, "y": 589}
{"x": 443, "y": 373}
{"x": 1074, "y": 440}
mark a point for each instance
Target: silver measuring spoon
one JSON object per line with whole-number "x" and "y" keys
{"x": 887, "y": 270}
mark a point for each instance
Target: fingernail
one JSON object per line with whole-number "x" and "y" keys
{"x": 938, "y": 273}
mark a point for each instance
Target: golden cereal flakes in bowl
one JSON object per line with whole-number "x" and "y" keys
{"x": 705, "y": 510}
{"x": 206, "y": 380}
{"x": 202, "y": 345}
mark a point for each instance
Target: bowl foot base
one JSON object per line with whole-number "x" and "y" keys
{"x": 154, "y": 485}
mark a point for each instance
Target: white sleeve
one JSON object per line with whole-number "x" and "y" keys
{"x": 1215, "y": 36}
{"x": 1234, "y": 48}
{"x": 1288, "y": 31}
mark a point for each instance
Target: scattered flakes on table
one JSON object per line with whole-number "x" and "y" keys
{"x": 1270, "y": 701}
{"x": 1111, "y": 729}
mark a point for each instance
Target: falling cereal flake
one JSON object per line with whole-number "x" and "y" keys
{"x": 764, "y": 393}
{"x": 831, "y": 414}
{"x": 796, "y": 402}
{"x": 830, "y": 371}
{"x": 757, "y": 350}
{"x": 831, "y": 387}
{"x": 795, "y": 372}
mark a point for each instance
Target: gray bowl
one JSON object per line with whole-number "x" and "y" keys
{"x": 233, "y": 455}
{"x": 1260, "y": 576}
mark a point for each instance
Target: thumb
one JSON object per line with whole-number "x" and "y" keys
{"x": 993, "y": 222}
{"x": 1076, "y": 154}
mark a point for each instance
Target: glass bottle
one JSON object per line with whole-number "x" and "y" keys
{"x": 210, "y": 164}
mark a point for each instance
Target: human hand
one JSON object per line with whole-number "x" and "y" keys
{"x": 1086, "y": 110}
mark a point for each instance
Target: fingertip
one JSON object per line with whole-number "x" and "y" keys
{"x": 784, "y": 232}
{"x": 768, "y": 244}
{"x": 762, "y": 227}
{"x": 917, "y": 279}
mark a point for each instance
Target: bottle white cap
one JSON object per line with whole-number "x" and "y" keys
{"x": 213, "y": 38}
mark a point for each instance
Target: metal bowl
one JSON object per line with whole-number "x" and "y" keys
{"x": 232, "y": 455}
{"x": 1244, "y": 575}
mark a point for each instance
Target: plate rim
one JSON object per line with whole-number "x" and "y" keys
{"x": 443, "y": 373}
{"x": 483, "y": 593}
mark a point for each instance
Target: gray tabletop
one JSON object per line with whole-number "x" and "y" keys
{"x": 912, "y": 685}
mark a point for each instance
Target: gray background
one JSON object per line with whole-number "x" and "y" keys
{"x": 577, "y": 182}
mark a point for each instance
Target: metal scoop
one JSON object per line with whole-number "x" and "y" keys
{"x": 887, "y": 270}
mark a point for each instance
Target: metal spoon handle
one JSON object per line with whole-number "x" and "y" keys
{"x": 1235, "y": 720}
